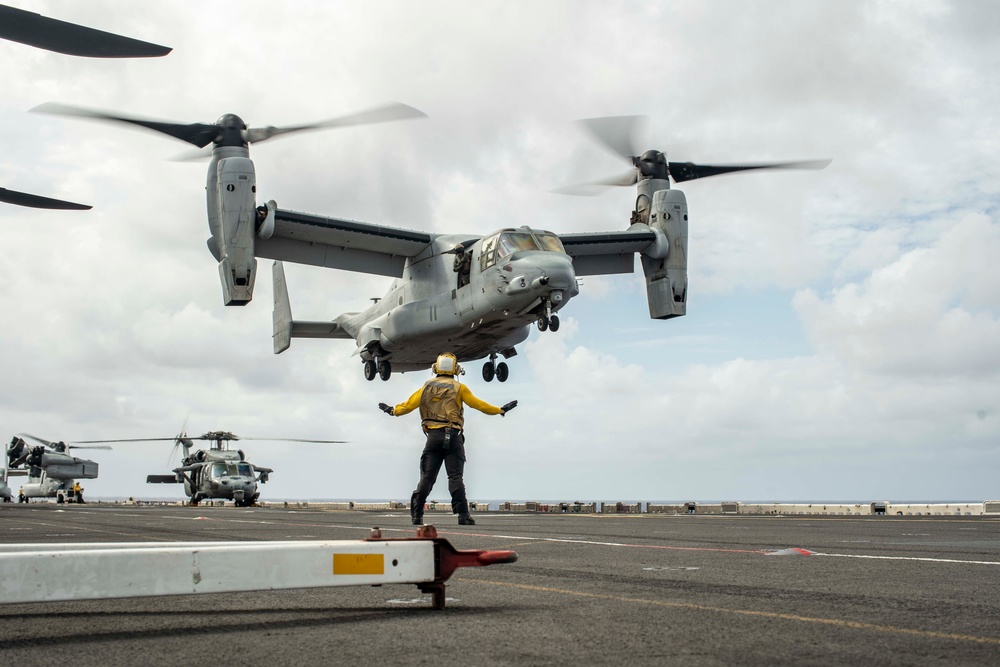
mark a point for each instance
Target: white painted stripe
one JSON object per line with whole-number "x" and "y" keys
{"x": 916, "y": 558}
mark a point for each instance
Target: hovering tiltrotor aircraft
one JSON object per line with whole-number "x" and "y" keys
{"x": 215, "y": 473}
{"x": 475, "y": 296}
{"x": 51, "y": 472}
{"x": 51, "y": 34}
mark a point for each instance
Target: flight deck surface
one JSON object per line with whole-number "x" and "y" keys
{"x": 587, "y": 589}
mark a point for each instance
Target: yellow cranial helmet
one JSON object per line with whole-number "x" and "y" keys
{"x": 446, "y": 364}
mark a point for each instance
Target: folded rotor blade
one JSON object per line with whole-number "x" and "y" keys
{"x": 382, "y": 114}
{"x": 199, "y": 134}
{"x": 687, "y": 171}
{"x": 37, "y": 201}
{"x": 71, "y": 39}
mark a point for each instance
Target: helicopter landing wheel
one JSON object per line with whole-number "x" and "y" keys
{"x": 554, "y": 323}
{"x": 384, "y": 370}
{"x": 488, "y": 371}
{"x": 543, "y": 323}
{"x": 370, "y": 370}
{"x": 502, "y": 372}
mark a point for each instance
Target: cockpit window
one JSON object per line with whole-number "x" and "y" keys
{"x": 511, "y": 242}
{"x": 549, "y": 242}
{"x": 487, "y": 257}
{"x": 218, "y": 470}
{"x": 245, "y": 469}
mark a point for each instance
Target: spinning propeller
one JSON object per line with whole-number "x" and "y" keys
{"x": 616, "y": 133}
{"x": 230, "y": 130}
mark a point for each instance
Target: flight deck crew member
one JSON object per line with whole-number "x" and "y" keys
{"x": 441, "y": 401}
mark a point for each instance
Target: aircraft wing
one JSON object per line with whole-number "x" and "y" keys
{"x": 599, "y": 253}
{"x": 341, "y": 244}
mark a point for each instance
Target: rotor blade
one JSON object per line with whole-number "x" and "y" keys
{"x": 71, "y": 39}
{"x": 36, "y": 439}
{"x": 687, "y": 171}
{"x": 37, "y": 201}
{"x": 383, "y": 114}
{"x": 91, "y": 442}
{"x": 597, "y": 187}
{"x": 93, "y": 447}
{"x": 615, "y": 132}
{"x": 199, "y": 134}
{"x": 322, "y": 442}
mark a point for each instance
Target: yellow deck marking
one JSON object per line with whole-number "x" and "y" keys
{"x": 359, "y": 563}
{"x": 856, "y": 625}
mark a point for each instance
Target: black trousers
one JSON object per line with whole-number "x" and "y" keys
{"x": 435, "y": 453}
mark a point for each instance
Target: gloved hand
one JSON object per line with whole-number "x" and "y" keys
{"x": 387, "y": 409}
{"x": 507, "y": 408}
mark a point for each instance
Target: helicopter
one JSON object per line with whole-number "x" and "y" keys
{"x": 50, "y": 470}
{"x": 72, "y": 39}
{"x": 476, "y": 296}
{"x": 216, "y": 473}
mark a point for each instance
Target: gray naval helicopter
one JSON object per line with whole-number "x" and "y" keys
{"x": 72, "y": 39}
{"x": 216, "y": 473}
{"x": 50, "y": 469}
{"x": 476, "y": 296}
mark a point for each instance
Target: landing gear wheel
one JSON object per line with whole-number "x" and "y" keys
{"x": 384, "y": 370}
{"x": 543, "y": 323}
{"x": 502, "y": 372}
{"x": 369, "y": 370}
{"x": 488, "y": 371}
{"x": 554, "y": 323}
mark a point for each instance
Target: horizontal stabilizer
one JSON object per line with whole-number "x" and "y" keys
{"x": 161, "y": 479}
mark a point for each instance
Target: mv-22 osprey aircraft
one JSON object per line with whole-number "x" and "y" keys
{"x": 474, "y": 295}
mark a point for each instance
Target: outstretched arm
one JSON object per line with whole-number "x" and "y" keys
{"x": 467, "y": 397}
{"x": 408, "y": 406}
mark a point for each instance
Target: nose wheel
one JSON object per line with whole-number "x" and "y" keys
{"x": 491, "y": 370}
{"x": 548, "y": 322}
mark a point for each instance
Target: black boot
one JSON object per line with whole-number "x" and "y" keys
{"x": 466, "y": 520}
{"x": 417, "y": 518}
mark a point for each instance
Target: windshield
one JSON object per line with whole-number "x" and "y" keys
{"x": 549, "y": 242}
{"x": 218, "y": 470}
{"x": 245, "y": 469}
{"x": 511, "y": 242}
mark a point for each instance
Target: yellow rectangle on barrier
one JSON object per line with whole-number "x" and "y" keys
{"x": 358, "y": 563}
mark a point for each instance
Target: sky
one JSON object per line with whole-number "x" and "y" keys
{"x": 842, "y": 336}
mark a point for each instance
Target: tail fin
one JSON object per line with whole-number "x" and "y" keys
{"x": 282, "y": 316}
{"x": 285, "y": 328}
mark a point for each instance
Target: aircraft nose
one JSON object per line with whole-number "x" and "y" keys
{"x": 559, "y": 271}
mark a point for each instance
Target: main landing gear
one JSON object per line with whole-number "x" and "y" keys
{"x": 492, "y": 369}
{"x": 381, "y": 368}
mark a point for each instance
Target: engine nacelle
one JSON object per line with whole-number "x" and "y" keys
{"x": 236, "y": 187}
{"x": 665, "y": 265}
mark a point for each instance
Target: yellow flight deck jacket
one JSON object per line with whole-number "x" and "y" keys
{"x": 446, "y": 396}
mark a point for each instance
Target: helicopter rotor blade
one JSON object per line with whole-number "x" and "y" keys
{"x": 91, "y": 442}
{"x": 688, "y": 171}
{"x": 597, "y": 187}
{"x": 88, "y": 447}
{"x": 199, "y": 134}
{"x": 322, "y": 442}
{"x": 37, "y": 439}
{"x": 383, "y": 114}
{"x": 37, "y": 201}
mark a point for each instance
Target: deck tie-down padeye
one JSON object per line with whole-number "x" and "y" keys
{"x": 57, "y": 572}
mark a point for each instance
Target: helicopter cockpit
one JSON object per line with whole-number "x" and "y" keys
{"x": 506, "y": 243}
{"x": 220, "y": 470}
